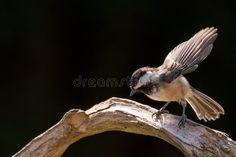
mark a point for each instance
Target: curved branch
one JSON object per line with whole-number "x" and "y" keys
{"x": 129, "y": 116}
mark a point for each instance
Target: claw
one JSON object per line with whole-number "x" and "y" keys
{"x": 161, "y": 111}
{"x": 182, "y": 121}
{"x": 157, "y": 114}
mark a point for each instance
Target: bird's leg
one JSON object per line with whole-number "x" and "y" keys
{"x": 183, "y": 118}
{"x": 161, "y": 111}
{"x": 164, "y": 107}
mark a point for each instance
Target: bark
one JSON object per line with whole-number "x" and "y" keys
{"x": 129, "y": 116}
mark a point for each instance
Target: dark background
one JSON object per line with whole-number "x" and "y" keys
{"x": 47, "y": 44}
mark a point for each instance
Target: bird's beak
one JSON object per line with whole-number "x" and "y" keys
{"x": 133, "y": 91}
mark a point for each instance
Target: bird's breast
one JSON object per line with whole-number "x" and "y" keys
{"x": 174, "y": 91}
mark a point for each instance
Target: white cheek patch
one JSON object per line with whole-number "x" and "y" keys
{"x": 148, "y": 77}
{"x": 144, "y": 79}
{"x": 155, "y": 76}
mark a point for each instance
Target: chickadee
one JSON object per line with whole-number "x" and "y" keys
{"x": 167, "y": 83}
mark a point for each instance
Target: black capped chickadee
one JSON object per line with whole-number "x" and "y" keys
{"x": 167, "y": 83}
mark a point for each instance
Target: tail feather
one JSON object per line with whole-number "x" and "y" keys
{"x": 205, "y": 107}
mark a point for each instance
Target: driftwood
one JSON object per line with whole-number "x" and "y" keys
{"x": 129, "y": 116}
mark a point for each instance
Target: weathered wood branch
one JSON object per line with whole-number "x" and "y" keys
{"x": 129, "y": 116}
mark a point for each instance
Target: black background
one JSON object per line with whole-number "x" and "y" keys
{"x": 47, "y": 44}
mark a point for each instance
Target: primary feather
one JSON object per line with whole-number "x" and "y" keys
{"x": 185, "y": 57}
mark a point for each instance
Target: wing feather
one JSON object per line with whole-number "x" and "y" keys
{"x": 185, "y": 57}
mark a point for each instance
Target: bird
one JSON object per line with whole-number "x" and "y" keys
{"x": 167, "y": 83}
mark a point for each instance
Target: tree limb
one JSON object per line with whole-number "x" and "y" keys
{"x": 129, "y": 116}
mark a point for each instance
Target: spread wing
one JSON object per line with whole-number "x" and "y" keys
{"x": 185, "y": 57}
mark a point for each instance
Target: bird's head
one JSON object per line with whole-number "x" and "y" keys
{"x": 144, "y": 80}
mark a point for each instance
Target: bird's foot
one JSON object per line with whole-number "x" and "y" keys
{"x": 182, "y": 121}
{"x": 157, "y": 114}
